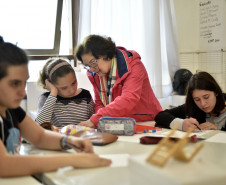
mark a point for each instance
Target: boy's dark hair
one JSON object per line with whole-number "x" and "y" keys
{"x": 10, "y": 55}
{"x": 180, "y": 80}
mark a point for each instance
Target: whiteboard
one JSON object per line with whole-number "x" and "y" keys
{"x": 211, "y": 24}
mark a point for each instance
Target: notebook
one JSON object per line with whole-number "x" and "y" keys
{"x": 204, "y": 134}
{"x": 218, "y": 138}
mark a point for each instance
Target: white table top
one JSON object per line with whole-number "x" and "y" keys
{"x": 26, "y": 180}
{"x": 119, "y": 152}
{"x": 207, "y": 167}
{"x": 129, "y": 165}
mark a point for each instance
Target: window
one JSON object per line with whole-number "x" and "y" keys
{"x": 43, "y": 28}
{"x": 32, "y": 25}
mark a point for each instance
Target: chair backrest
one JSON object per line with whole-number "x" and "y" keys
{"x": 33, "y": 93}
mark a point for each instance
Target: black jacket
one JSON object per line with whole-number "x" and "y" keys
{"x": 164, "y": 118}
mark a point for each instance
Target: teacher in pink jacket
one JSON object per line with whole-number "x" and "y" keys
{"x": 120, "y": 81}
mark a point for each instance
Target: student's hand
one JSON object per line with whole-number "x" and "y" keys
{"x": 52, "y": 88}
{"x": 90, "y": 161}
{"x": 208, "y": 126}
{"x": 87, "y": 123}
{"x": 84, "y": 144}
{"x": 189, "y": 123}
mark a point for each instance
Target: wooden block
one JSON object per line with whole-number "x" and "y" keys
{"x": 167, "y": 148}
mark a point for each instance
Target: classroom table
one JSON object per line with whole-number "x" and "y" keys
{"x": 129, "y": 166}
{"x": 118, "y": 151}
{"x": 207, "y": 167}
{"x": 26, "y": 180}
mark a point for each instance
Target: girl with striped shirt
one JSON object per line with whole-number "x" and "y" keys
{"x": 64, "y": 103}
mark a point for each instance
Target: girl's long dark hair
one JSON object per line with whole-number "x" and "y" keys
{"x": 203, "y": 81}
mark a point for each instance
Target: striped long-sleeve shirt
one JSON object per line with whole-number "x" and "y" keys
{"x": 64, "y": 111}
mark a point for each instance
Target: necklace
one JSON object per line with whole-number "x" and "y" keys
{"x": 2, "y": 124}
{"x": 3, "y": 134}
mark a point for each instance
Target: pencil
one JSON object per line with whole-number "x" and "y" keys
{"x": 197, "y": 126}
{"x": 74, "y": 146}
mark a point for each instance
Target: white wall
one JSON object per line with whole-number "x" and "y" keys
{"x": 193, "y": 55}
{"x": 187, "y": 25}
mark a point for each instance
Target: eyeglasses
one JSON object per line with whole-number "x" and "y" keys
{"x": 91, "y": 64}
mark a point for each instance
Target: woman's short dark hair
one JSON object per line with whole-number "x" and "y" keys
{"x": 203, "y": 81}
{"x": 10, "y": 55}
{"x": 98, "y": 46}
{"x": 58, "y": 73}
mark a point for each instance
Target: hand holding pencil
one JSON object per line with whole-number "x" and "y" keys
{"x": 190, "y": 123}
{"x": 79, "y": 144}
{"x": 84, "y": 160}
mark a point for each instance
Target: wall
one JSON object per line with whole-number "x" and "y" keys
{"x": 195, "y": 54}
{"x": 187, "y": 25}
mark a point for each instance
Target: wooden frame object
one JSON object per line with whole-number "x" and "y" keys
{"x": 167, "y": 148}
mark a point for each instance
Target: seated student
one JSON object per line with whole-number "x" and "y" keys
{"x": 180, "y": 81}
{"x": 120, "y": 81}
{"x": 15, "y": 123}
{"x": 64, "y": 104}
{"x": 204, "y": 106}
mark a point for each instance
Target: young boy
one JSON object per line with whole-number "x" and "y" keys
{"x": 15, "y": 123}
